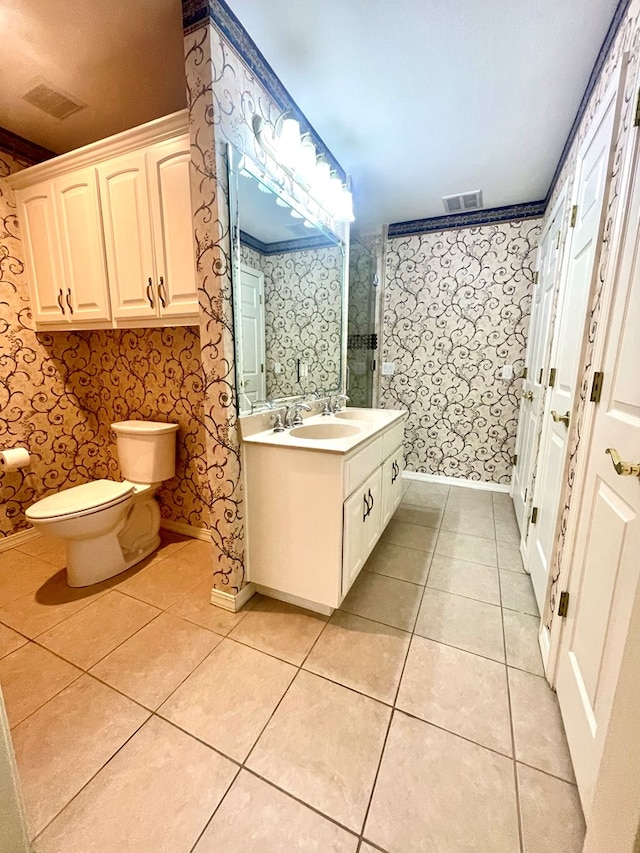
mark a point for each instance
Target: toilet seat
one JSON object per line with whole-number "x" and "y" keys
{"x": 81, "y": 500}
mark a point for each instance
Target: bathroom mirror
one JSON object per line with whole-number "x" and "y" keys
{"x": 289, "y": 276}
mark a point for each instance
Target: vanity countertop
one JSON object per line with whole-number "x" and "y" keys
{"x": 369, "y": 423}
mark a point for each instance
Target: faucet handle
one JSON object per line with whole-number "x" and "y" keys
{"x": 297, "y": 417}
{"x": 327, "y": 408}
{"x": 278, "y": 426}
{"x": 336, "y": 401}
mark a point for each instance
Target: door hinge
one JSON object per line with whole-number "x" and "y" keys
{"x": 596, "y": 386}
{"x": 574, "y": 216}
{"x": 525, "y": 373}
{"x": 540, "y": 376}
{"x": 563, "y": 604}
{"x": 534, "y": 515}
{"x": 373, "y": 365}
{"x": 636, "y": 119}
{"x": 535, "y": 277}
{"x": 514, "y": 459}
{"x": 262, "y": 368}
{"x": 558, "y": 241}
{"x": 552, "y": 377}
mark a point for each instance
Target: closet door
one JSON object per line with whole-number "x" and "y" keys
{"x": 537, "y": 364}
{"x": 590, "y": 190}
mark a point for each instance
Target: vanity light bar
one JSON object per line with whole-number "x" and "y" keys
{"x": 296, "y": 156}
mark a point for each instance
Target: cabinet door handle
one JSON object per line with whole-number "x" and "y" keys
{"x": 371, "y": 498}
{"x": 150, "y": 292}
{"x": 69, "y": 305}
{"x": 396, "y": 471}
{"x": 162, "y": 293}
{"x": 366, "y": 508}
{"x": 60, "y": 305}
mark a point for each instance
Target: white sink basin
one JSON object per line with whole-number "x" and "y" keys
{"x": 322, "y": 432}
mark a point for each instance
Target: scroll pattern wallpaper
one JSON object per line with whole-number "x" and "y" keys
{"x": 456, "y": 308}
{"x": 626, "y": 44}
{"x": 60, "y": 392}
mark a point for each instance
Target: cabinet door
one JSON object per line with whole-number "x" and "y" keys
{"x": 361, "y": 529}
{"x": 391, "y": 485}
{"x": 172, "y": 218}
{"x": 128, "y": 239}
{"x": 36, "y": 213}
{"x": 86, "y": 292}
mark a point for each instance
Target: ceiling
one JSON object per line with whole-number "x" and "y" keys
{"x": 416, "y": 99}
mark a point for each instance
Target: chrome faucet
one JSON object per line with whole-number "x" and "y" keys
{"x": 293, "y": 417}
{"x": 334, "y": 404}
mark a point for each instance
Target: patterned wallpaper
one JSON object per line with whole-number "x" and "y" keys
{"x": 60, "y": 391}
{"x": 456, "y": 308}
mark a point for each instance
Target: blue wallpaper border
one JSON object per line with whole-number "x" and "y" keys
{"x": 485, "y": 216}
{"x": 194, "y": 12}
{"x": 279, "y": 248}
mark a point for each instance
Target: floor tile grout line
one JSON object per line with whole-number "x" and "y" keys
{"x": 215, "y": 811}
{"x": 376, "y": 774}
{"x": 512, "y": 729}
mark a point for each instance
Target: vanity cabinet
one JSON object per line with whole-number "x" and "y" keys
{"x": 64, "y": 254}
{"x": 108, "y": 232}
{"x": 313, "y": 517}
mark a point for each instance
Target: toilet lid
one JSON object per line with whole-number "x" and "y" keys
{"x": 81, "y": 499}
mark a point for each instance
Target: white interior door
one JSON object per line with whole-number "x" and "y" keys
{"x": 252, "y": 382}
{"x": 534, "y": 385}
{"x": 605, "y": 566}
{"x": 590, "y": 188}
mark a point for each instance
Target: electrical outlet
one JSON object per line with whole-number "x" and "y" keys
{"x": 507, "y": 371}
{"x": 277, "y": 367}
{"x": 388, "y": 368}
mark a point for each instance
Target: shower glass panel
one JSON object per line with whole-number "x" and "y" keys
{"x": 361, "y": 341}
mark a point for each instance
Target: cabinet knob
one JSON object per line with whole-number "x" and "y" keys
{"x": 150, "y": 292}
{"x": 60, "y": 305}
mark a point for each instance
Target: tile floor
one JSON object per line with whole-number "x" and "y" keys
{"x": 416, "y": 719}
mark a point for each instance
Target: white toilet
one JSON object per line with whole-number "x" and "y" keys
{"x": 110, "y": 526}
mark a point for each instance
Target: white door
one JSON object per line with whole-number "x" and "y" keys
{"x": 590, "y": 189}
{"x": 42, "y": 258}
{"x": 128, "y": 239}
{"x": 361, "y": 528}
{"x": 534, "y": 385}
{"x": 252, "y": 382}
{"x": 391, "y": 486}
{"x": 605, "y": 564}
{"x": 86, "y": 291}
{"x": 170, "y": 196}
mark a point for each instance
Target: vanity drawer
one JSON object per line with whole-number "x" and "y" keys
{"x": 363, "y": 464}
{"x": 393, "y": 439}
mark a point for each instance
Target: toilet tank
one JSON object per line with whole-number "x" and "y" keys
{"x": 146, "y": 450}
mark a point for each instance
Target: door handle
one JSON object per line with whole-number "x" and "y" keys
{"x": 371, "y": 497}
{"x": 69, "y": 305}
{"x": 623, "y": 469}
{"x": 162, "y": 293}
{"x": 150, "y": 292}
{"x": 528, "y": 396}
{"x": 561, "y": 419}
{"x": 60, "y": 305}
{"x": 396, "y": 471}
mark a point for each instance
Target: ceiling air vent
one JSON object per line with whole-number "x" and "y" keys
{"x": 53, "y": 101}
{"x": 462, "y": 201}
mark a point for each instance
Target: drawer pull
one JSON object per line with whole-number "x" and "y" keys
{"x": 162, "y": 293}
{"x": 368, "y": 504}
{"x": 150, "y": 292}
{"x": 396, "y": 470}
{"x": 69, "y": 305}
{"x": 60, "y": 305}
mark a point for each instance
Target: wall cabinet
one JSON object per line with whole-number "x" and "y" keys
{"x": 108, "y": 232}
{"x": 314, "y": 517}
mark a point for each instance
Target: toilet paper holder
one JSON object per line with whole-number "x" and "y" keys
{"x": 14, "y": 458}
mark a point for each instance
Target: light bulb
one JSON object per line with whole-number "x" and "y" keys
{"x": 307, "y": 160}
{"x": 322, "y": 179}
{"x": 345, "y": 207}
{"x": 289, "y": 142}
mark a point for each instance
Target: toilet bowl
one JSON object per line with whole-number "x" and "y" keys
{"x": 110, "y": 526}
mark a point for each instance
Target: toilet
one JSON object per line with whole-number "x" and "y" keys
{"x": 110, "y": 526}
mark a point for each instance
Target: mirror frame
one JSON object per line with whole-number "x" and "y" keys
{"x": 278, "y": 188}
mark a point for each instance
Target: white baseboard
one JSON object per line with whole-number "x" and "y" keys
{"x": 231, "y": 602}
{"x": 295, "y": 599}
{"x": 187, "y": 529}
{"x": 18, "y": 538}
{"x": 544, "y": 640}
{"x": 455, "y": 481}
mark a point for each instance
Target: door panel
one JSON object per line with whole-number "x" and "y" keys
{"x": 128, "y": 239}
{"x": 591, "y": 185}
{"x": 41, "y": 241}
{"x": 252, "y": 383}
{"x": 605, "y": 568}
{"x": 170, "y": 196}
{"x": 82, "y": 245}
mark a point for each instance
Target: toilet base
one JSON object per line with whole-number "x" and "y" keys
{"x": 91, "y": 561}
